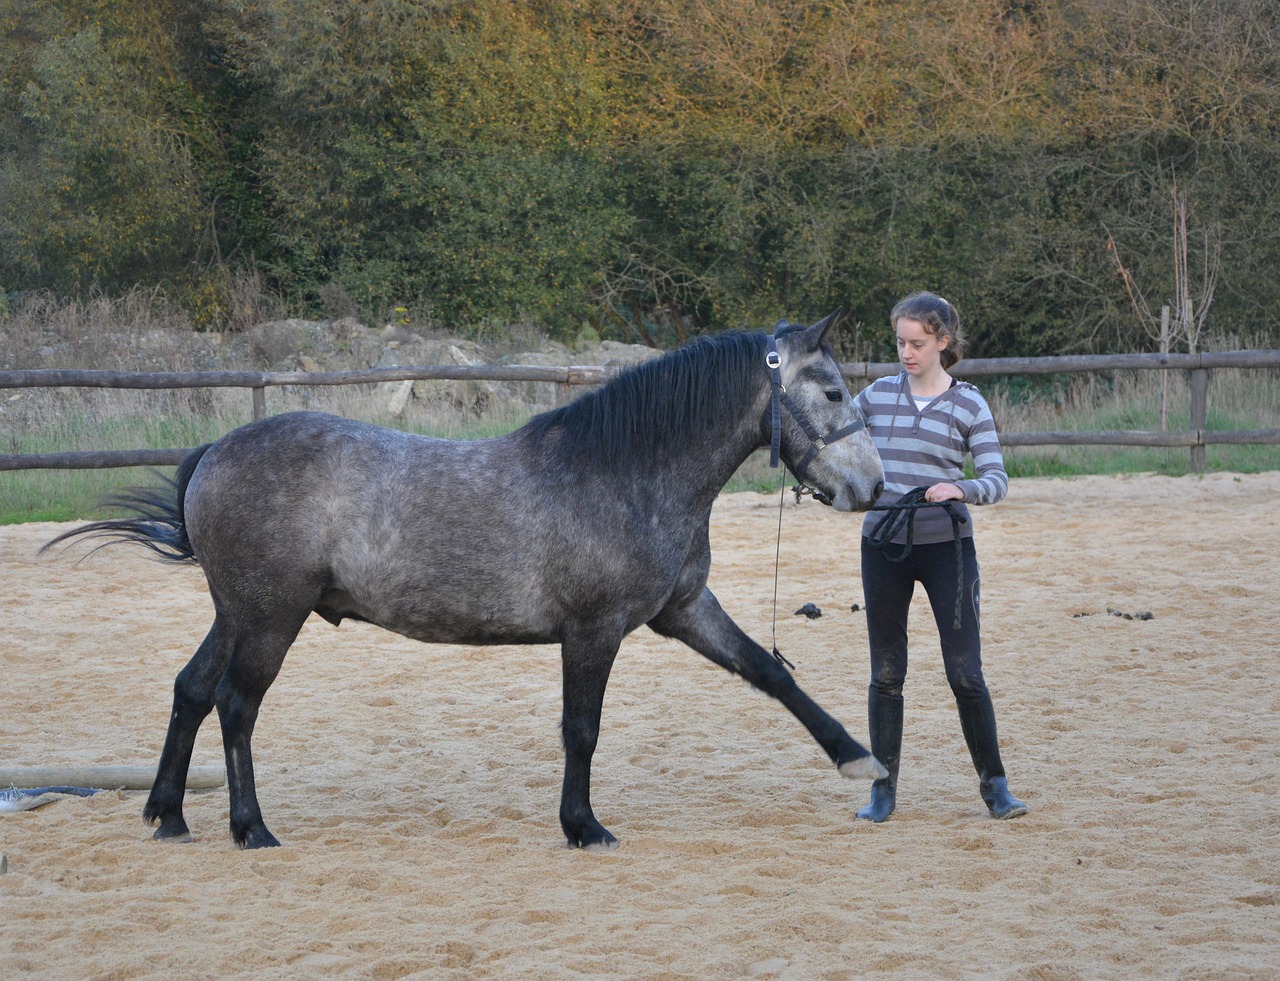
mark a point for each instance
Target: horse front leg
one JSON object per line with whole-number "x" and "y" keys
{"x": 586, "y": 660}
{"x": 704, "y": 626}
{"x": 192, "y": 701}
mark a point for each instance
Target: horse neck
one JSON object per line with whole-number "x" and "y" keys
{"x": 707, "y": 461}
{"x": 689, "y": 420}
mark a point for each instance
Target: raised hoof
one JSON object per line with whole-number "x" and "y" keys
{"x": 864, "y": 766}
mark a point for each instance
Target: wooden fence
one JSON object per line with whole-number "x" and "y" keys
{"x": 1196, "y": 437}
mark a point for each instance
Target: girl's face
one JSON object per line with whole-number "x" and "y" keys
{"x": 919, "y": 351}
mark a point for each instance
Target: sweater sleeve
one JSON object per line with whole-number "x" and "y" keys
{"x": 991, "y": 482}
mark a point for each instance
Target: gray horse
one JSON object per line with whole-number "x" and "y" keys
{"x": 579, "y": 527}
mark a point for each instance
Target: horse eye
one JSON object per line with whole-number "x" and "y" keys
{"x": 835, "y": 395}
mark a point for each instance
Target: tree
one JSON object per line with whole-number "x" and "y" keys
{"x": 98, "y": 180}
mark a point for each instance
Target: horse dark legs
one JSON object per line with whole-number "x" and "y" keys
{"x": 192, "y": 701}
{"x": 705, "y": 627}
{"x": 586, "y": 663}
{"x": 239, "y": 695}
{"x": 238, "y": 711}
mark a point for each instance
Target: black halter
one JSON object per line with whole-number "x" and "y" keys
{"x": 780, "y": 400}
{"x": 817, "y": 443}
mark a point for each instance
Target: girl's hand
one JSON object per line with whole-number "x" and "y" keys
{"x": 943, "y": 492}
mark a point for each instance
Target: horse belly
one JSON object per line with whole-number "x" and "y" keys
{"x": 488, "y": 596}
{"x": 450, "y": 614}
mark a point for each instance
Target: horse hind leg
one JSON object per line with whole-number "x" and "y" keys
{"x": 193, "y": 699}
{"x": 238, "y": 696}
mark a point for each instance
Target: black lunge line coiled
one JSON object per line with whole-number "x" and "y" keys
{"x": 902, "y": 512}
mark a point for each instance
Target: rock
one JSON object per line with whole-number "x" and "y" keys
{"x": 401, "y": 392}
{"x": 1145, "y": 615}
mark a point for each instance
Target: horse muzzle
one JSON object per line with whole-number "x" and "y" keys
{"x": 851, "y": 498}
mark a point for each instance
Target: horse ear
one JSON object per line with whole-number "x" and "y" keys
{"x": 820, "y": 329}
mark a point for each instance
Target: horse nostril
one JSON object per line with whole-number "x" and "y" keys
{"x": 875, "y": 495}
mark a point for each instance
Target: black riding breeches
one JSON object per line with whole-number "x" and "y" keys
{"x": 887, "y": 588}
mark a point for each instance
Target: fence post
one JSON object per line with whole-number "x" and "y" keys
{"x": 259, "y": 403}
{"x": 1199, "y": 414}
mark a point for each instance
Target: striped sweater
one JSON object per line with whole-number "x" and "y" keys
{"x": 920, "y": 448}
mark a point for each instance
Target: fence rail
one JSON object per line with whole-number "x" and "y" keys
{"x": 1196, "y": 437}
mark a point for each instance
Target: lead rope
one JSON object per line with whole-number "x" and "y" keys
{"x": 903, "y": 512}
{"x": 774, "y": 363}
{"x": 777, "y": 561}
{"x": 900, "y": 513}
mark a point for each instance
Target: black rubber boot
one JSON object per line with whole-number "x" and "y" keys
{"x": 979, "y": 724}
{"x": 885, "y": 715}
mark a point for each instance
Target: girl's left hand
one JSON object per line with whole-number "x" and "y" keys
{"x": 943, "y": 492}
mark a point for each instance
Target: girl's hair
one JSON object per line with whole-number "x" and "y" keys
{"x": 938, "y": 316}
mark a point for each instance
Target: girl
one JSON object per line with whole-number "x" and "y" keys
{"x": 923, "y": 422}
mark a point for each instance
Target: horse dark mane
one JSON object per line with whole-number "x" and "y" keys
{"x": 659, "y": 402}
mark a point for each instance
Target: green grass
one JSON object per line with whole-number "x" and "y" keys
{"x": 68, "y": 495}
{"x": 1237, "y": 400}
{"x": 1075, "y": 461}
{"x": 134, "y": 420}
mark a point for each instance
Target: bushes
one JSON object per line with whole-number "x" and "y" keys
{"x": 651, "y": 168}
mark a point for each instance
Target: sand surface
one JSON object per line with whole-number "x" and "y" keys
{"x": 415, "y": 788}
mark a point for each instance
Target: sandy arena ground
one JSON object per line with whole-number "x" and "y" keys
{"x": 415, "y": 788}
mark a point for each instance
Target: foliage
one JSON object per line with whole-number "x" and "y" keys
{"x": 655, "y": 168}
{"x": 98, "y": 179}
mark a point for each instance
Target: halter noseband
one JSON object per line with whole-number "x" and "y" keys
{"x": 780, "y": 400}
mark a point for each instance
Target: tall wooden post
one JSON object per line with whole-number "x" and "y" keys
{"x": 1199, "y": 413}
{"x": 1164, "y": 375}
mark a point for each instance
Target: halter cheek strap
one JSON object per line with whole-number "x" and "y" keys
{"x": 774, "y": 362}
{"x": 780, "y": 400}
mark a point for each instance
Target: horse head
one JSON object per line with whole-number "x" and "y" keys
{"x": 819, "y": 431}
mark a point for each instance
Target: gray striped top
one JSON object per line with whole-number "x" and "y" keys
{"x": 922, "y": 447}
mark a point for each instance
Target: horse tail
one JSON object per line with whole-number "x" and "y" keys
{"x": 157, "y": 520}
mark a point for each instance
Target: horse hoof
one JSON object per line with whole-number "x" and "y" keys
{"x": 599, "y": 840}
{"x": 864, "y": 766}
{"x": 258, "y": 837}
{"x": 259, "y": 842}
{"x": 170, "y": 829}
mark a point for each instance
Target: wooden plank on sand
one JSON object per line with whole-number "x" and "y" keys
{"x": 103, "y": 777}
